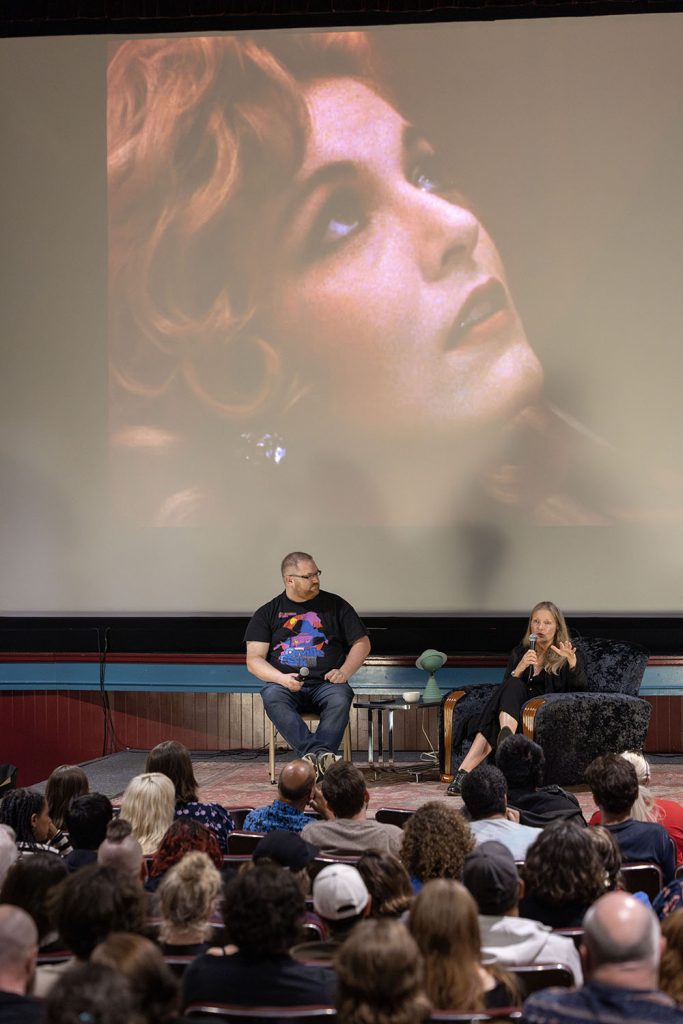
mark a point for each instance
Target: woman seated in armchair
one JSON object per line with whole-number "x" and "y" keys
{"x": 544, "y": 662}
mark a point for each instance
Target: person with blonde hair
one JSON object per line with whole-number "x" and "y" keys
{"x": 668, "y": 813}
{"x": 380, "y": 976}
{"x": 188, "y": 896}
{"x": 546, "y": 661}
{"x": 445, "y": 924}
{"x": 149, "y": 805}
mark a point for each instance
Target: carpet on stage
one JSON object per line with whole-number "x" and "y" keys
{"x": 241, "y": 779}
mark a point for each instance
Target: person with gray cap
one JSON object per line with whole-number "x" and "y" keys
{"x": 341, "y": 900}
{"x": 490, "y": 874}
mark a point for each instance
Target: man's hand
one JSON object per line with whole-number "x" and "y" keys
{"x": 512, "y": 814}
{"x": 336, "y": 675}
{"x": 319, "y": 803}
{"x": 291, "y": 681}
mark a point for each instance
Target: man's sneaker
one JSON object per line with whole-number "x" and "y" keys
{"x": 313, "y": 761}
{"x": 454, "y": 787}
{"x": 325, "y": 761}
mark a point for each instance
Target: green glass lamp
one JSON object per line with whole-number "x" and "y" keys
{"x": 431, "y": 661}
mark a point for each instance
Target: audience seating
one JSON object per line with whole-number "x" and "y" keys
{"x": 238, "y": 814}
{"x": 243, "y": 842}
{"x": 534, "y": 977}
{"x": 644, "y": 877}
{"x": 266, "y": 1014}
{"x": 393, "y": 815}
{"x": 309, "y": 718}
{"x": 500, "y": 1016}
{"x": 679, "y": 871}
{"x": 572, "y": 728}
{"x": 318, "y": 863}
{"x": 576, "y": 934}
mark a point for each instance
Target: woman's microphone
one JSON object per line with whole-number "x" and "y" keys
{"x": 532, "y": 647}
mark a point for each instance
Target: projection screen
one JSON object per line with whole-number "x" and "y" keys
{"x": 406, "y": 299}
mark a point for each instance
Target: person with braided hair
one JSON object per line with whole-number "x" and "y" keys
{"x": 26, "y": 811}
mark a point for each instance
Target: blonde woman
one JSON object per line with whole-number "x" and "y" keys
{"x": 648, "y": 808}
{"x": 445, "y": 925}
{"x": 188, "y": 896}
{"x": 149, "y": 805}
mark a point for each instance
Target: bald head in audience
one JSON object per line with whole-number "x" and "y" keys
{"x": 622, "y": 943}
{"x": 120, "y": 849}
{"x": 18, "y": 949}
{"x": 296, "y": 783}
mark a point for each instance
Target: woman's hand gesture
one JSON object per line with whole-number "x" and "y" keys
{"x": 566, "y": 649}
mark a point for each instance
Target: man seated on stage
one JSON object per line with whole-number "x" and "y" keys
{"x": 294, "y": 791}
{"x": 305, "y": 645}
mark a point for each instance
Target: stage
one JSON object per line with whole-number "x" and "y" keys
{"x": 241, "y": 779}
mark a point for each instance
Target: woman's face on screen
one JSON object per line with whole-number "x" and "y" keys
{"x": 388, "y": 295}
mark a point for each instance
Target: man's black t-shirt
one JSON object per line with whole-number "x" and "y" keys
{"x": 316, "y": 633}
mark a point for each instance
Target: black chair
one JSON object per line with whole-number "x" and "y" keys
{"x": 265, "y": 1014}
{"x": 318, "y": 863}
{"x": 643, "y": 877}
{"x": 241, "y": 843}
{"x": 576, "y": 934}
{"x": 500, "y": 1016}
{"x": 238, "y": 814}
{"x": 393, "y": 815}
{"x": 572, "y": 728}
{"x": 534, "y": 977}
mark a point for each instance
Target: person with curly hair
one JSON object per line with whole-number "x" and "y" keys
{"x": 444, "y": 923}
{"x": 173, "y": 759}
{"x": 388, "y": 883}
{"x": 263, "y": 911}
{"x": 153, "y": 986}
{"x": 148, "y": 803}
{"x": 26, "y": 811}
{"x": 183, "y": 836}
{"x": 436, "y": 840}
{"x": 522, "y": 762}
{"x": 671, "y": 965}
{"x": 188, "y": 895}
{"x": 90, "y": 994}
{"x": 380, "y": 976}
{"x": 563, "y": 875}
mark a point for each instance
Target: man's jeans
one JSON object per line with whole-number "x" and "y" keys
{"x": 330, "y": 700}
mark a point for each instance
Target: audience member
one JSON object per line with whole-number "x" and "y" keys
{"x": 648, "y": 808}
{"x": 295, "y": 787}
{"x": 25, "y": 811}
{"x": 388, "y": 883}
{"x": 29, "y": 884}
{"x": 671, "y": 967}
{"x": 149, "y": 805}
{"x": 287, "y": 850}
{"x": 185, "y": 835}
{"x": 173, "y": 759}
{"x": 436, "y": 840}
{"x": 490, "y": 875}
{"x": 263, "y": 910}
{"x": 86, "y": 818}
{"x": 64, "y": 783}
{"x": 443, "y": 921}
{"x": 18, "y": 949}
{"x": 90, "y": 904}
{"x": 484, "y": 793}
{"x": 562, "y": 874}
{"x": 610, "y": 856}
{"x": 614, "y": 785}
{"x": 90, "y": 994}
{"x": 188, "y": 896}
{"x": 153, "y": 987}
{"x": 341, "y": 900}
{"x": 122, "y": 851}
{"x": 8, "y": 850}
{"x": 620, "y": 952}
{"x": 380, "y": 976}
{"x": 522, "y": 762}
{"x": 347, "y": 830}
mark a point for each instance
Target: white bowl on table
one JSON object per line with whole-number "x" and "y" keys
{"x": 412, "y": 696}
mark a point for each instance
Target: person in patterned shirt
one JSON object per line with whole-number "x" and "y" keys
{"x": 295, "y": 788}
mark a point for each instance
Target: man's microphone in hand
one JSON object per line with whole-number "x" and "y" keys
{"x": 532, "y": 647}
{"x": 303, "y": 673}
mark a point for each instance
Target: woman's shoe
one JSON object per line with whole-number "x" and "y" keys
{"x": 503, "y": 735}
{"x": 454, "y": 786}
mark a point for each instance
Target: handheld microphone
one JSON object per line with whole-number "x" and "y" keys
{"x": 532, "y": 647}
{"x": 303, "y": 673}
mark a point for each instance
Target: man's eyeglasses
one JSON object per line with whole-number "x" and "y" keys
{"x": 308, "y": 576}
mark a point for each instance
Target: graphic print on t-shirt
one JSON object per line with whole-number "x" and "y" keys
{"x": 307, "y": 642}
